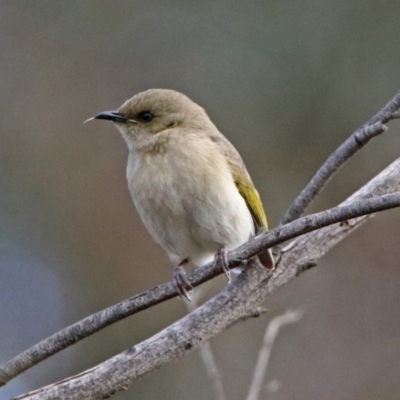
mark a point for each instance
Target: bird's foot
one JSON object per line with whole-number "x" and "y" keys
{"x": 221, "y": 258}
{"x": 181, "y": 281}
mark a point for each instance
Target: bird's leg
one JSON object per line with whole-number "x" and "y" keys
{"x": 180, "y": 280}
{"x": 221, "y": 258}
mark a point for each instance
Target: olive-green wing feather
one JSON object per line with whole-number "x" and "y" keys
{"x": 242, "y": 180}
{"x": 253, "y": 202}
{"x": 246, "y": 189}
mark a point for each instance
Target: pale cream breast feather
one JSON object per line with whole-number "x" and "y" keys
{"x": 190, "y": 184}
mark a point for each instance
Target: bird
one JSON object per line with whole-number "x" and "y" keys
{"x": 187, "y": 181}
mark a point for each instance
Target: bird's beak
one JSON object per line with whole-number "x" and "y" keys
{"x": 114, "y": 116}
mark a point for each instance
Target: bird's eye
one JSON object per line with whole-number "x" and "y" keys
{"x": 145, "y": 116}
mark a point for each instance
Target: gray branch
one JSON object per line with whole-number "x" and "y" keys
{"x": 158, "y": 294}
{"x": 239, "y": 299}
{"x": 374, "y": 127}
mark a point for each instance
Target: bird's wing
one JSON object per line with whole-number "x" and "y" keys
{"x": 253, "y": 202}
{"x": 246, "y": 189}
{"x": 242, "y": 180}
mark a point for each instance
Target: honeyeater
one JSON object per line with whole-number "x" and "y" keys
{"x": 188, "y": 182}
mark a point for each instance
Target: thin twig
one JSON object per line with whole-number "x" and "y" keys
{"x": 375, "y": 126}
{"x": 271, "y": 332}
{"x": 158, "y": 294}
{"x": 208, "y": 358}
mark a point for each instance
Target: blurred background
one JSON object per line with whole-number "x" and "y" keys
{"x": 287, "y": 82}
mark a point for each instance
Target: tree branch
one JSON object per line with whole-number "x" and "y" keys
{"x": 238, "y": 300}
{"x": 357, "y": 140}
{"x": 271, "y": 332}
{"x": 166, "y": 291}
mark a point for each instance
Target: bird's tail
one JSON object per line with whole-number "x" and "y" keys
{"x": 267, "y": 259}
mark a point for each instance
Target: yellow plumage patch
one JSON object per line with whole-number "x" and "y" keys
{"x": 254, "y": 204}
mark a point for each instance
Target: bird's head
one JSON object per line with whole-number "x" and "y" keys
{"x": 156, "y": 111}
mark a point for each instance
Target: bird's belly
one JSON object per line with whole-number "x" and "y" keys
{"x": 191, "y": 218}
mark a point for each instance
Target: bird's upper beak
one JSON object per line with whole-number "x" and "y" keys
{"x": 114, "y": 116}
{"x": 111, "y": 116}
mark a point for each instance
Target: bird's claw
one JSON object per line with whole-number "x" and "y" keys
{"x": 221, "y": 258}
{"x": 181, "y": 282}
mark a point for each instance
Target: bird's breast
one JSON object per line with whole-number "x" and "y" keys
{"x": 188, "y": 200}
